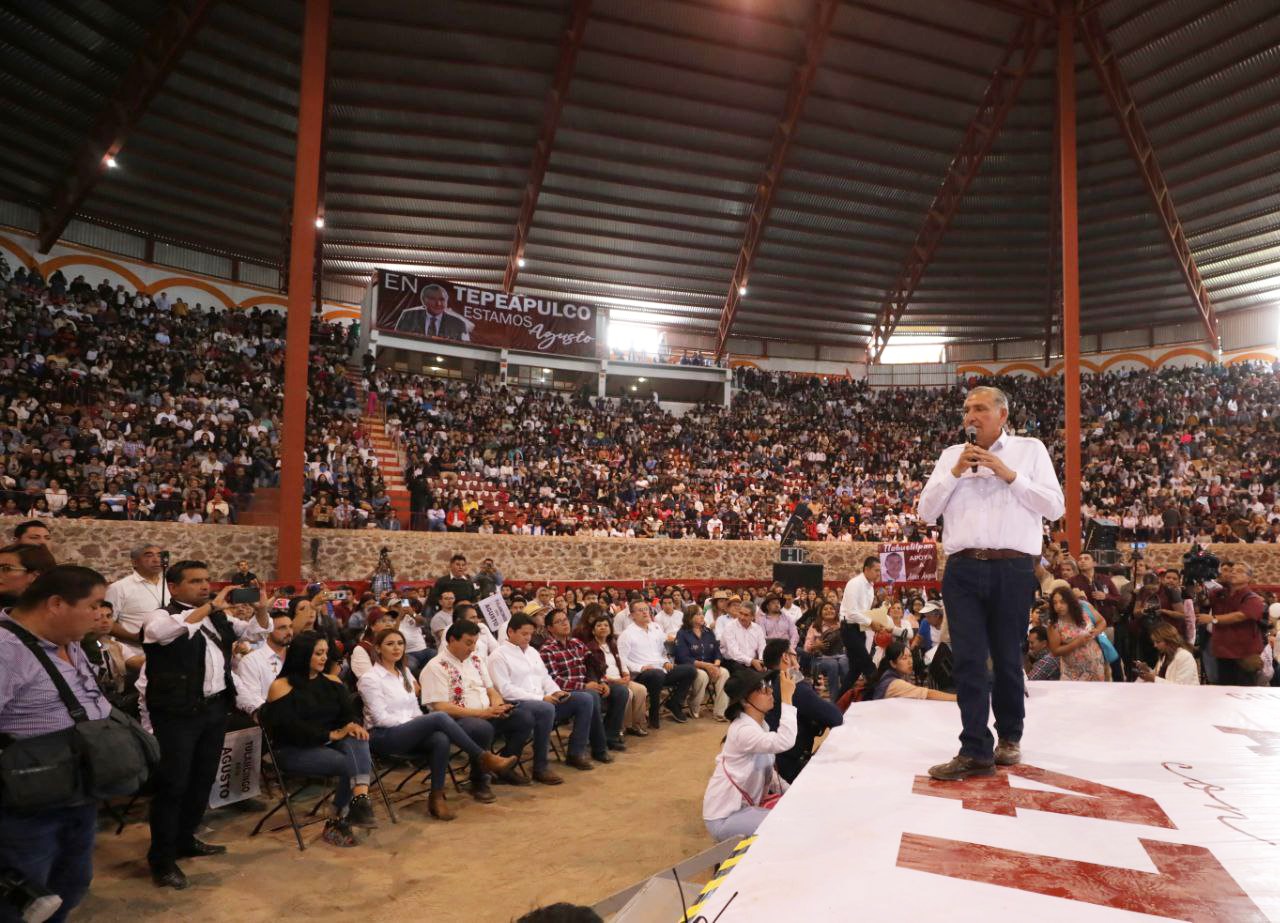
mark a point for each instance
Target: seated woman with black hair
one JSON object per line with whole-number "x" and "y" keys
{"x": 895, "y": 677}
{"x": 397, "y": 726}
{"x": 315, "y": 730}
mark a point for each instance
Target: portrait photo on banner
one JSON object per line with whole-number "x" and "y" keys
{"x": 438, "y": 309}
{"x": 909, "y": 562}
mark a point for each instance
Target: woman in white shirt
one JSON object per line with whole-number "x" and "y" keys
{"x": 397, "y": 726}
{"x": 1177, "y": 663}
{"x": 744, "y": 777}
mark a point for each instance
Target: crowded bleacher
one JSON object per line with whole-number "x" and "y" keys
{"x": 126, "y": 406}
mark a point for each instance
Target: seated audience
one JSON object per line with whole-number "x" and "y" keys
{"x": 456, "y": 682}
{"x": 825, "y": 645}
{"x": 566, "y": 660}
{"x": 741, "y": 639}
{"x": 397, "y": 726}
{"x": 696, "y": 645}
{"x": 254, "y": 673}
{"x": 643, "y": 647}
{"x": 315, "y": 730}
{"x": 604, "y": 664}
{"x": 521, "y": 677}
{"x": 365, "y": 654}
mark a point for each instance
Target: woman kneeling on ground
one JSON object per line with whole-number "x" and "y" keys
{"x": 738, "y": 795}
{"x": 397, "y": 726}
{"x": 314, "y": 727}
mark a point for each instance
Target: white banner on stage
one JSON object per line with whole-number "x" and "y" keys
{"x": 240, "y": 769}
{"x": 1133, "y": 802}
{"x": 495, "y": 612}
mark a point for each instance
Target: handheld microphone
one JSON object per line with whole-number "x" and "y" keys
{"x": 971, "y": 437}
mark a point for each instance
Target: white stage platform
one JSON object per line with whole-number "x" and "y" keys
{"x": 1133, "y": 802}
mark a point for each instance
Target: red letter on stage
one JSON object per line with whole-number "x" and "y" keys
{"x": 994, "y": 795}
{"x": 1190, "y": 883}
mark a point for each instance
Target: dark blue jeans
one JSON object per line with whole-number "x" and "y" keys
{"x": 51, "y": 849}
{"x": 347, "y": 760}
{"x": 988, "y": 607}
{"x": 427, "y": 735}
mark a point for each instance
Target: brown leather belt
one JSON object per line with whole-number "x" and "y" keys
{"x": 989, "y": 554}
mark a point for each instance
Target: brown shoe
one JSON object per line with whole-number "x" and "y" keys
{"x": 481, "y": 791}
{"x": 493, "y": 763}
{"x": 437, "y": 807}
{"x": 511, "y": 777}
{"x": 1008, "y": 753}
{"x": 547, "y": 777}
{"x": 578, "y": 761}
{"x": 961, "y": 767}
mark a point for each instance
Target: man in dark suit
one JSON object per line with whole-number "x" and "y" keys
{"x": 432, "y": 318}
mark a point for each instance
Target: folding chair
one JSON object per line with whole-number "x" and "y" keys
{"x": 286, "y": 797}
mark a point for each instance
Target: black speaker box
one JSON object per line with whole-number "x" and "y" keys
{"x": 794, "y": 575}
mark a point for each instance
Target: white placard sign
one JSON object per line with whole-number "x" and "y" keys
{"x": 239, "y": 769}
{"x": 495, "y": 612}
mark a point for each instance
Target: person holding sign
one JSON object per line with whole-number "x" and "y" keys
{"x": 993, "y": 491}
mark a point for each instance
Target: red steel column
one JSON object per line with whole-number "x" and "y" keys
{"x": 302, "y": 257}
{"x": 1070, "y": 267}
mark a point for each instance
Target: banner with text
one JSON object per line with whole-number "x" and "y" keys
{"x": 432, "y": 308}
{"x": 908, "y": 562}
{"x": 239, "y": 769}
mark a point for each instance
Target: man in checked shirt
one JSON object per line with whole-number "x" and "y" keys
{"x": 566, "y": 660}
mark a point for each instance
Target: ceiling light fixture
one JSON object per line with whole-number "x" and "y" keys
{"x": 111, "y": 162}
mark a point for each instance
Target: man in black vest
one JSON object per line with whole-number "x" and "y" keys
{"x": 189, "y": 693}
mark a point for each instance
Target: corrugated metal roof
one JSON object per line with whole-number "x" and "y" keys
{"x": 671, "y": 109}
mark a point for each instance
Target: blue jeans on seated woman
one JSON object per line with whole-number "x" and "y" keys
{"x": 835, "y": 669}
{"x": 427, "y": 735}
{"x": 347, "y": 759}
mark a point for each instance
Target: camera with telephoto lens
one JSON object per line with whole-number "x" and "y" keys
{"x": 1199, "y": 566}
{"x": 30, "y": 902}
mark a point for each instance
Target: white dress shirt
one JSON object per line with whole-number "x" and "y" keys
{"x": 792, "y": 612}
{"x": 858, "y": 600}
{"x": 519, "y": 673}
{"x": 133, "y": 599}
{"x": 982, "y": 511}
{"x": 387, "y": 704}
{"x": 361, "y": 662}
{"x": 742, "y": 644}
{"x": 164, "y": 627}
{"x": 253, "y": 675}
{"x": 671, "y": 624}
{"x": 437, "y": 681}
{"x": 643, "y": 648}
{"x": 747, "y": 756}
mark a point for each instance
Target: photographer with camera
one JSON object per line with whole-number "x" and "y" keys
{"x": 47, "y": 854}
{"x": 1234, "y": 621}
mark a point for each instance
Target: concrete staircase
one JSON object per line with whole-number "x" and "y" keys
{"x": 389, "y": 460}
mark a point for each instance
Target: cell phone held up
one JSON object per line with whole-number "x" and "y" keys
{"x": 247, "y": 595}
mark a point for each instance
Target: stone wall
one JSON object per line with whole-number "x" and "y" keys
{"x": 420, "y": 555}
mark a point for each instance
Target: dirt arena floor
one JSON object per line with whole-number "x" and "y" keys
{"x": 582, "y": 841}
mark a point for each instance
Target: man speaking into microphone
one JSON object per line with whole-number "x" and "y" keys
{"x": 992, "y": 492}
